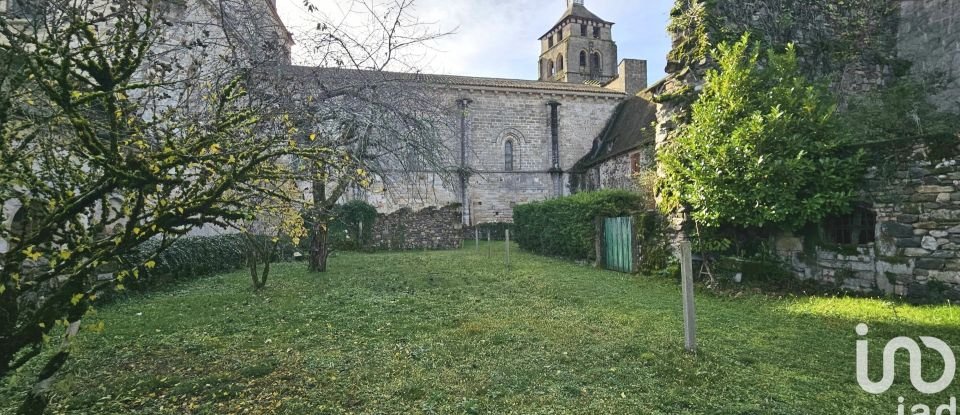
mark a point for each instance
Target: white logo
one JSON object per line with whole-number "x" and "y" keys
{"x": 889, "y": 354}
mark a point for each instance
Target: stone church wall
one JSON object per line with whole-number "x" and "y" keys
{"x": 492, "y": 118}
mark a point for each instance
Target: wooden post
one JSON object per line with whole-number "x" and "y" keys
{"x": 689, "y": 310}
{"x": 598, "y": 243}
{"x": 508, "y": 248}
{"x": 477, "y": 235}
{"x": 489, "y": 246}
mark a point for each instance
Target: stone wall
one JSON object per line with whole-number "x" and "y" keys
{"x": 858, "y": 46}
{"x": 929, "y": 36}
{"x": 492, "y": 118}
{"x": 916, "y": 252}
{"x": 430, "y": 228}
{"x": 618, "y": 172}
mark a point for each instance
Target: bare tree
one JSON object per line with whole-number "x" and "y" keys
{"x": 366, "y": 98}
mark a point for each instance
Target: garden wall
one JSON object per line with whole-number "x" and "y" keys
{"x": 915, "y": 246}
{"x": 430, "y": 228}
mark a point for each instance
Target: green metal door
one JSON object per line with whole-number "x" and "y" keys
{"x": 618, "y": 243}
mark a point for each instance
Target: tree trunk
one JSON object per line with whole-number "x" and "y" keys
{"x": 319, "y": 250}
{"x": 319, "y": 247}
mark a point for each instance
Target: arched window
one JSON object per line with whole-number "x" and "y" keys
{"x": 560, "y": 64}
{"x": 508, "y": 155}
{"x": 583, "y": 59}
{"x": 20, "y": 226}
{"x": 595, "y": 68}
{"x": 551, "y": 70}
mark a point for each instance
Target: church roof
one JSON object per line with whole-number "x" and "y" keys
{"x": 338, "y": 74}
{"x": 630, "y": 127}
{"x": 576, "y": 10}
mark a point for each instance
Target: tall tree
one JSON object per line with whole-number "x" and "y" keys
{"x": 364, "y": 97}
{"x": 116, "y": 128}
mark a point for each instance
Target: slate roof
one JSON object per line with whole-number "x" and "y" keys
{"x": 630, "y": 127}
{"x": 451, "y": 80}
{"x": 578, "y": 11}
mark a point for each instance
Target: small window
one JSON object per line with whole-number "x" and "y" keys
{"x": 560, "y": 64}
{"x": 583, "y": 60}
{"x": 596, "y": 32}
{"x": 856, "y": 228}
{"x": 551, "y": 69}
{"x": 508, "y": 155}
{"x": 550, "y": 41}
{"x": 583, "y": 30}
{"x": 635, "y": 166}
{"x": 560, "y": 35}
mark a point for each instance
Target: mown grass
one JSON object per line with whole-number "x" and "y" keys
{"x": 455, "y": 332}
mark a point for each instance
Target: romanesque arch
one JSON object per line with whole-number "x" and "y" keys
{"x": 583, "y": 60}
{"x": 512, "y": 142}
{"x": 596, "y": 66}
{"x": 560, "y": 63}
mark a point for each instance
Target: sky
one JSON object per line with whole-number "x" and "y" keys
{"x": 498, "y": 38}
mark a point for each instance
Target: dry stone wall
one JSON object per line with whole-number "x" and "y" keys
{"x": 916, "y": 252}
{"x": 430, "y": 228}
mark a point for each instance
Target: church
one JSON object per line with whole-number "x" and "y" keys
{"x": 579, "y": 126}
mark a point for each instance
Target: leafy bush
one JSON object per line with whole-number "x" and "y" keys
{"x": 565, "y": 227}
{"x": 348, "y": 221}
{"x": 762, "y": 147}
{"x": 189, "y": 257}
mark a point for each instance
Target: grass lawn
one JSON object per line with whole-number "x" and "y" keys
{"x": 454, "y": 332}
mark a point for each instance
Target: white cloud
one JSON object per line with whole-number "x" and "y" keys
{"x": 498, "y": 38}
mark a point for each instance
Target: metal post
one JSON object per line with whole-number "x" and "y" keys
{"x": 689, "y": 310}
{"x": 508, "y": 248}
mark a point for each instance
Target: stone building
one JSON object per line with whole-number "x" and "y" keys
{"x": 517, "y": 141}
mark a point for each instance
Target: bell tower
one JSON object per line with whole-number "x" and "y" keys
{"x": 579, "y": 48}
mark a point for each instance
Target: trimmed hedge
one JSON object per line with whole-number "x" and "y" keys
{"x": 565, "y": 227}
{"x": 188, "y": 257}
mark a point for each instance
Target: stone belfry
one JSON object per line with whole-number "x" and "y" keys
{"x": 579, "y": 48}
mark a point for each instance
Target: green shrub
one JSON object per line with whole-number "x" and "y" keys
{"x": 348, "y": 221}
{"x": 762, "y": 147}
{"x": 565, "y": 227}
{"x": 189, "y": 257}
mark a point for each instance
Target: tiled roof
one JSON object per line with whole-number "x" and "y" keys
{"x": 451, "y": 80}
{"x": 630, "y": 127}
{"x": 578, "y": 11}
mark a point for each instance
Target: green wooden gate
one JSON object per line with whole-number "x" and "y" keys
{"x": 618, "y": 244}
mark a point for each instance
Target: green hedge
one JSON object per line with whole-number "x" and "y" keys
{"x": 565, "y": 227}
{"x": 188, "y": 257}
{"x": 348, "y": 220}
